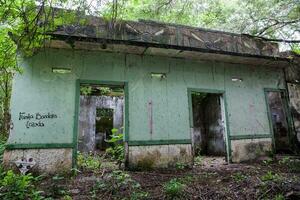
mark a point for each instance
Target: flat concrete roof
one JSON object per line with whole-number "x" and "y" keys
{"x": 171, "y": 40}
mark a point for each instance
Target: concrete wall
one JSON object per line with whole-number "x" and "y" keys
{"x": 38, "y": 91}
{"x": 159, "y": 156}
{"x": 250, "y": 149}
{"x": 87, "y": 118}
{"x": 46, "y": 160}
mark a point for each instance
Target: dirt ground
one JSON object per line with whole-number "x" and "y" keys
{"x": 209, "y": 178}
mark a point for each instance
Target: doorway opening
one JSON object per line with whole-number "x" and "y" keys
{"x": 279, "y": 120}
{"x": 208, "y": 128}
{"x": 101, "y": 114}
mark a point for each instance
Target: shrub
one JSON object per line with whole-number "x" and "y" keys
{"x": 117, "y": 182}
{"x": 88, "y": 161}
{"x": 198, "y": 160}
{"x": 180, "y": 165}
{"x": 270, "y": 176}
{"x": 14, "y": 186}
{"x": 116, "y": 152}
{"x": 238, "y": 177}
{"x": 173, "y": 188}
{"x": 57, "y": 187}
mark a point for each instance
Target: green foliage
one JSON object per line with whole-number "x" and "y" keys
{"x": 99, "y": 91}
{"x": 238, "y": 177}
{"x": 18, "y": 187}
{"x": 296, "y": 48}
{"x": 292, "y": 164}
{"x": 174, "y": 188}
{"x": 270, "y": 176}
{"x": 117, "y": 181}
{"x": 279, "y": 197}
{"x": 180, "y": 165}
{"x": 57, "y": 186}
{"x": 268, "y": 161}
{"x": 116, "y": 152}
{"x": 85, "y": 90}
{"x": 285, "y": 160}
{"x": 8, "y": 67}
{"x": 2, "y": 146}
{"x": 89, "y": 161}
{"x": 139, "y": 195}
{"x": 198, "y": 160}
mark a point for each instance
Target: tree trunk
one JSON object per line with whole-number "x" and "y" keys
{"x": 6, "y": 99}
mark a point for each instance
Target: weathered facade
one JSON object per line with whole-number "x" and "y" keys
{"x": 159, "y": 65}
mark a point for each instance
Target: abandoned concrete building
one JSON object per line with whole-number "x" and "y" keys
{"x": 173, "y": 91}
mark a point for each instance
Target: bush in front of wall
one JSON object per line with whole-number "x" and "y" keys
{"x": 18, "y": 187}
{"x": 88, "y": 161}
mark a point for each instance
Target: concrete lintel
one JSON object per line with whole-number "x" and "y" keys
{"x": 174, "y": 53}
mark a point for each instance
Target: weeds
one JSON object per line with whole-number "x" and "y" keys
{"x": 198, "y": 160}
{"x": 180, "y": 166}
{"x": 292, "y": 164}
{"x": 270, "y": 176}
{"x": 15, "y": 186}
{"x": 57, "y": 188}
{"x": 238, "y": 177}
{"x": 116, "y": 152}
{"x": 89, "y": 161}
{"x": 174, "y": 188}
{"x": 285, "y": 160}
{"x": 279, "y": 197}
{"x": 139, "y": 195}
{"x": 268, "y": 161}
{"x": 116, "y": 182}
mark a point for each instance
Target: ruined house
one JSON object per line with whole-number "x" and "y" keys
{"x": 175, "y": 91}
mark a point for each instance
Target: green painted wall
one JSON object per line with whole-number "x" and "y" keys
{"x": 40, "y": 90}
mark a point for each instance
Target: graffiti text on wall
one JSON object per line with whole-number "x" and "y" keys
{"x": 35, "y": 120}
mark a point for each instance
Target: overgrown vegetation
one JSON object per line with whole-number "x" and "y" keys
{"x": 174, "y": 188}
{"x": 116, "y": 182}
{"x": 89, "y": 161}
{"x": 18, "y": 187}
{"x": 116, "y": 151}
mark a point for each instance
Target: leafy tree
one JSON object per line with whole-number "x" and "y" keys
{"x": 8, "y": 67}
